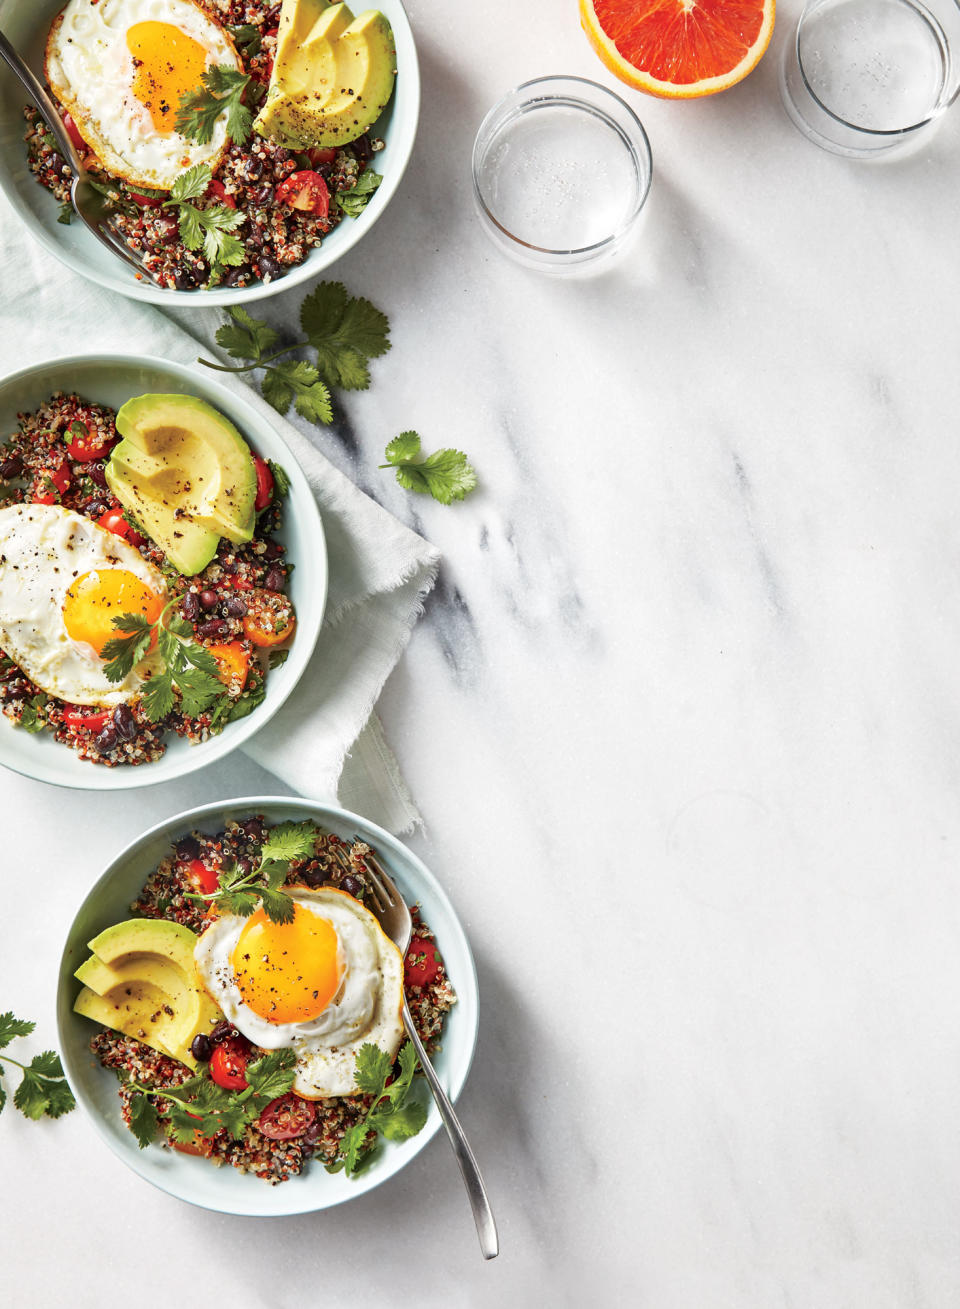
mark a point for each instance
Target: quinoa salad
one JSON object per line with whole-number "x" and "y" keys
{"x": 57, "y": 457}
{"x": 279, "y": 203}
{"x": 312, "y": 1128}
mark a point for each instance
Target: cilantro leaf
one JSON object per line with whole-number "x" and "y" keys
{"x": 446, "y": 475}
{"x": 11, "y": 1027}
{"x": 300, "y": 382}
{"x": 242, "y": 903}
{"x": 281, "y": 482}
{"x": 158, "y": 699}
{"x": 405, "y": 1121}
{"x": 354, "y": 201}
{"x": 246, "y": 337}
{"x": 277, "y": 658}
{"x": 345, "y": 331}
{"x": 278, "y": 907}
{"x": 198, "y": 690}
{"x": 190, "y": 185}
{"x": 273, "y": 1074}
{"x": 65, "y": 214}
{"x": 143, "y": 1119}
{"x": 32, "y": 717}
{"x": 372, "y": 1070}
{"x": 246, "y": 38}
{"x": 43, "y": 1089}
{"x": 221, "y": 90}
{"x": 290, "y": 841}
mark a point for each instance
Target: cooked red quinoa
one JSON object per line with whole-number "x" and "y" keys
{"x": 276, "y": 236}
{"x": 30, "y": 460}
{"x": 164, "y": 896}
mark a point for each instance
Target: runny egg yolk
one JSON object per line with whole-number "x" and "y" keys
{"x": 287, "y": 972}
{"x": 97, "y": 597}
{"x": 168, "y": 64}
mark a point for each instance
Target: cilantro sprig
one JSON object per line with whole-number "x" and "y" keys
{"x": 43, "y": 1090}
{"x": 200, "y": 1105}
{"x": 240, "y": 893}
{"x": 447, "y": 475}
{"x": 189, "y": 668}
{"x": 221, "y": 91}
{"x": 392, "y": 1113}
{"x": 211, "y": 228}
{"x": 345, "y": 332}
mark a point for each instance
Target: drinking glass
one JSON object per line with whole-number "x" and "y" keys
{"x": 871, "y": 78}
{"x": 561, "y": 172}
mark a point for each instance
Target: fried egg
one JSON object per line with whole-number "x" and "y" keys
{"x": 119, "y": 67}
{"x": 63, "y": 579}
{"x": 323, "y": 985}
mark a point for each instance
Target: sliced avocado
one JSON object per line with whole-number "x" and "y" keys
{"x": 134, "y": 965}
{"x": 332, "y": 77}
{"x": 185, "y": 472}
{"x": 136, "y": 1009}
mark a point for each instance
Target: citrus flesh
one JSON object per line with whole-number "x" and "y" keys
{"x": 679, "y": 48}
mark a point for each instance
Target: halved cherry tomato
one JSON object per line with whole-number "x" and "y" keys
{"x": 228, "y": 1064}
{"x": 322, "y": 154}
{"x": 147, "y": 201}
{"x": 306, "y": 191}
{"x": 264, "y": 483}
{"x": 286, "y": 1117}
{"x": 269, "y": 618}
{"x": 52, "y": 486}
{"x": 233, "y": 662}
{"x": 114, "y": 521}
{"x": 219, "y": 192}
{"x": 74, "y": 134}
{"x": 422, "y": 962}
{"x": 81, "y": 718}
{"x": 205, "y": 878}
{"x": 85, "y": 446}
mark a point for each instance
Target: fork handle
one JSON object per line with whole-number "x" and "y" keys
{"x": 482, "y": 1213}
{"x": 44, "y": 103}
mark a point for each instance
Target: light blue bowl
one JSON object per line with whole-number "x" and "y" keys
{"x": 110, "y": 380}
{"x": 26, "y": 23}
{"x": 195, "y": 1179}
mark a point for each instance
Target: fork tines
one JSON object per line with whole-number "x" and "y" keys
{"x": 380, "y": 884}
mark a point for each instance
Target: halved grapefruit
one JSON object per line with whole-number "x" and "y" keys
{"x": 679, "y": 48}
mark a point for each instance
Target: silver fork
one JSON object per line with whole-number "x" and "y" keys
{"x": 394, "y": 917}
{"x": 88, "y": 202}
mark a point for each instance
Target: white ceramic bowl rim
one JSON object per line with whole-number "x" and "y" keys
{"x": 31, "y": 759}
{"x": 195, "y": 1179}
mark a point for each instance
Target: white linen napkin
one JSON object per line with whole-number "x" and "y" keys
{"x": 326, "y": 742}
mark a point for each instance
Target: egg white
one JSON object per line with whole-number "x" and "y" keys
{"x": 90, "y": 70}
{"x": 43, "y": 550}
{"x": 367, "y": 1007}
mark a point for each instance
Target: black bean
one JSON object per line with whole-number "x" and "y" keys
{"x": 273, "y": 550}
{"x": 352, "y": 885}
{"x": 190, "y": 606}
{"x": 96, "y": 474}
{"x": 228, "y": 565}
{"x": 11, "y": 468}
{"x": 124, "y": 723}
{"x": 201, "y": 1047}
{"x": 313, "y": 877}
{"x": 253, "y": 168}
{"x": 95, "y": 508}
{"x": 184, "y": 278}
{"x": 232, "y": 276}
{"x": 107, "y": 740}
{"x": 261, "y": 197}
{"x": 361, "y": 148}
{"x": 222, "y": 1031}
{"x": 208, "y": 599}
{"x": 314, "y": 1132}
{"x": 253, "y": 828}
{"x": 269, "y": 267}
{"x": 188, "y": 847}
{"x": 235, "y": 607}
{"x": 244, "y": 867}
{"x": 275, "y": 579}
{"x": 213, "y": 627}
{"x": 255, "y": 237}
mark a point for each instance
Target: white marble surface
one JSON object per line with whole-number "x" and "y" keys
{"x": 683, "y": 722}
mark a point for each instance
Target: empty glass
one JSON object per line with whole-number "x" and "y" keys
{"x": 561, "y": 171}
{"x": 868, "y": 78}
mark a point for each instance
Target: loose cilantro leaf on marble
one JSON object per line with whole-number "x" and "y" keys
{"x": 43, "y": 1089}
{"x": 296, "y": 380}
{"x": 446, "y": 475}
